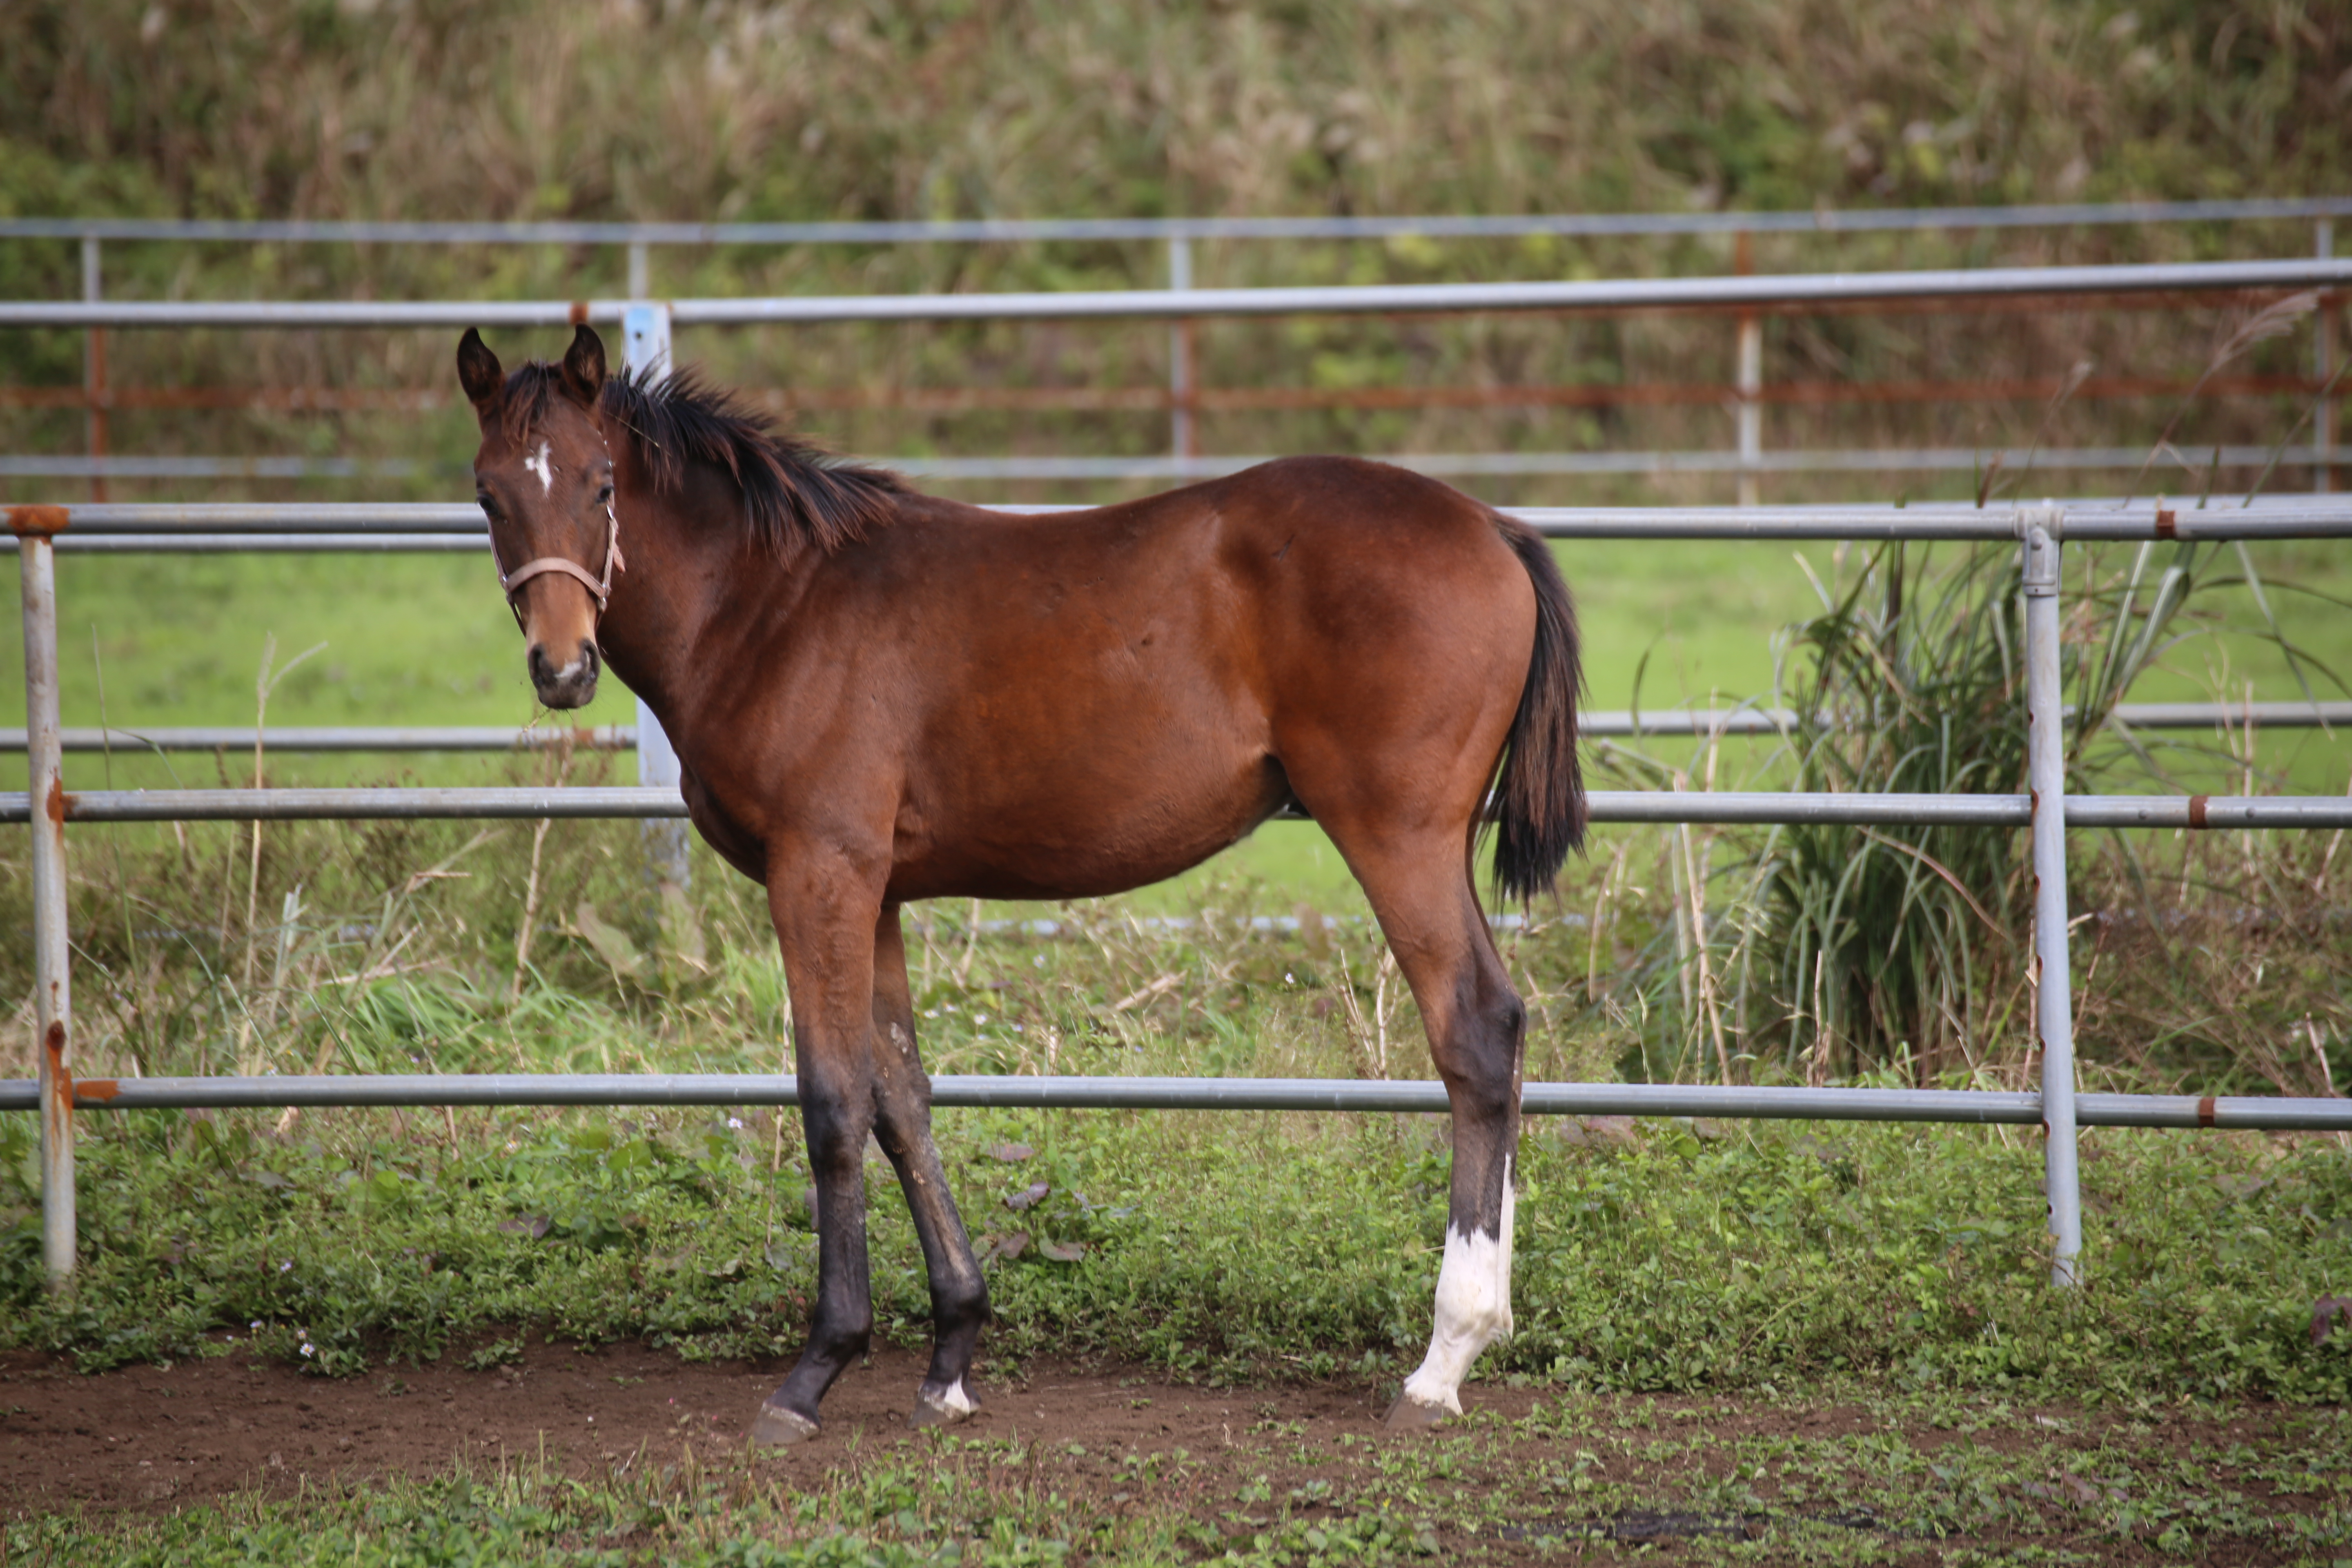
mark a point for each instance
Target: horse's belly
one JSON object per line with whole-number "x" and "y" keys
{"x": 1087, "y": 829}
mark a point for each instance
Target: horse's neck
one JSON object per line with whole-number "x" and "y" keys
{"x": 668, "y": 633}
{"x": 659, "y": 610}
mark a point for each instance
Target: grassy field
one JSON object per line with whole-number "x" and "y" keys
{"x": 1802, "y": 1343}
{"x": 1751, "y": 1340}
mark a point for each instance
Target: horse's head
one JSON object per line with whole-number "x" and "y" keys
{"x": 544, "y": 478}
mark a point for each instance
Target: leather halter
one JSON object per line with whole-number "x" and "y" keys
{"x": 601, "y": 589}
{"x": 598, "y": 588}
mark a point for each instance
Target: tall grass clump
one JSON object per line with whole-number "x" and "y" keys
{"x": 1828, "y": 950}
{"x": 1882, "y": 936}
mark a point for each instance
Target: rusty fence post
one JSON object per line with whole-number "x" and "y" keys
{"x": 2041, "y": 532}
{"x": 95, "y": 398}
{"x": 1183, "y": 428}
{"x": 35, "y": 526}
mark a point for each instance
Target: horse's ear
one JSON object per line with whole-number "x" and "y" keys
{"x": 584, "y": 367}
{"x": 479, "y": 374}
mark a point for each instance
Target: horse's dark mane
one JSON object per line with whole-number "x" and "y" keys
{"x": 794, "y": 494}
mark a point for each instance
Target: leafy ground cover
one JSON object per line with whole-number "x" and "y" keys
{"x": 1678, "y": 1258}
{"x": 565, "y": 1454}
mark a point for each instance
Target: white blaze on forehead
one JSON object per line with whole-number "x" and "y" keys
{"x": 1473, "y": 1308}
{"x": 538, "y": 463}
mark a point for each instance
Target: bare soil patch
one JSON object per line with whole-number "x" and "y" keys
{"x": 163, "y": 1436}
{"x": 1620, "y": 1471}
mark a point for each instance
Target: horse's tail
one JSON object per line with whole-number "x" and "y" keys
{"x": 1539, "y": 800}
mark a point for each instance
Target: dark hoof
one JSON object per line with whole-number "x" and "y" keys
{"x": 1411, "y": 1415}
{"x": 938, "y": 1407}
{"x": 778, "y": 1428}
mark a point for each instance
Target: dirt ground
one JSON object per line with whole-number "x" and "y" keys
{"x": 158, "y": 1439}
{"x": 152, "y": 1436}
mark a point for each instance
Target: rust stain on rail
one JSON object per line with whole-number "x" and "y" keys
{"x": 2205, "y": 1111}
{"x": 2168, "y": 524}
{"x": 97, "y": 1090}
{"x": 39, "y": 521}
{"x": 60, "y": 805}
{"x": 61, "y": 1104}
{"x": 2197, "y": 804}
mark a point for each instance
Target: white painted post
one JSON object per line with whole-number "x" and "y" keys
{"x": 52, "y": 964}
{"x": 1751, "y": 412}
{"x": 1183, "y": 440}
{"x": 1749, "y": 378}
{"x": 644, "y": 348}
{"x": 2041, "y": 529}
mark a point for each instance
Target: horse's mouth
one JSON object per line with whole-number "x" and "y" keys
{"x": 572, "y": 686}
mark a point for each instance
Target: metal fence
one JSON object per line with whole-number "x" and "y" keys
{"x": 1186, "y": 399}
{"x": 1597, "y": 723}
{"x": 2040, "y": 532}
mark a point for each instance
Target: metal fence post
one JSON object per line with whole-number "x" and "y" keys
{"x": 2323, "y": 359}
{"x": 93, "y": 365}
{"x": 645, "y": 349}
{"x": 1183, "y": 438}
{"x": 2042, "y": 529}
{"x": 52, "y": 989}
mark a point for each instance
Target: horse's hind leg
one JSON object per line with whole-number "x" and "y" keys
{"x": 1420, "y": 889}
{"x": 903, "y": 1125}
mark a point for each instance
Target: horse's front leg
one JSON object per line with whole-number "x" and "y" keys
{"x": 903, "y": 1124}
{"x": 824, "y": 909}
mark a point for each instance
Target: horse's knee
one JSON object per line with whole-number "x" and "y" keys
{"x": 842, "y": 1331}
{"x": 959, "y": 1302}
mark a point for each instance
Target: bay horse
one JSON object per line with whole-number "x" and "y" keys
{"x": 878, "y": 696}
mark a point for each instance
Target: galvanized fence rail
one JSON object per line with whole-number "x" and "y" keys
{"x": 1602, "y": 724}
{"x": 994, "y": 1090}
{"x": 1758, "y": 292}
{"x": 1030, "y": 231}
{"x": 2040, "y": 532}
{"x": 1747, "y": 299}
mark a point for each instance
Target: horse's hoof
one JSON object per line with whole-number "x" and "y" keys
{"x": 777, "y": 1428}
{"x": 944, "y": 1407}
{"x": 1411, "y": 1415}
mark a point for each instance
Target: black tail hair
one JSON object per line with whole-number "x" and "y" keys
{"x": 1539, "y": 786}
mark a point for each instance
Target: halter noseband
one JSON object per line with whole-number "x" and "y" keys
{"x": 598, "y": 588}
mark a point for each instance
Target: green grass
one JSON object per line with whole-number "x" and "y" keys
{"x": 1690, "y": 1300}
{"x": 1678, "y": 1258}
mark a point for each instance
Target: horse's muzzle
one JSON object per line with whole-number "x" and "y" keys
{"x": 572, "y": 686}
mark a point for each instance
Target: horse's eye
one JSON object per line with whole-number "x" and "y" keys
{"x": 605, "y": 496}
{"x": 490, "y": 508}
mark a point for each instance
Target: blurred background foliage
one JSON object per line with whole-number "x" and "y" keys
{"x": 926, "y": 109}
{"x": 945, "y": 108}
